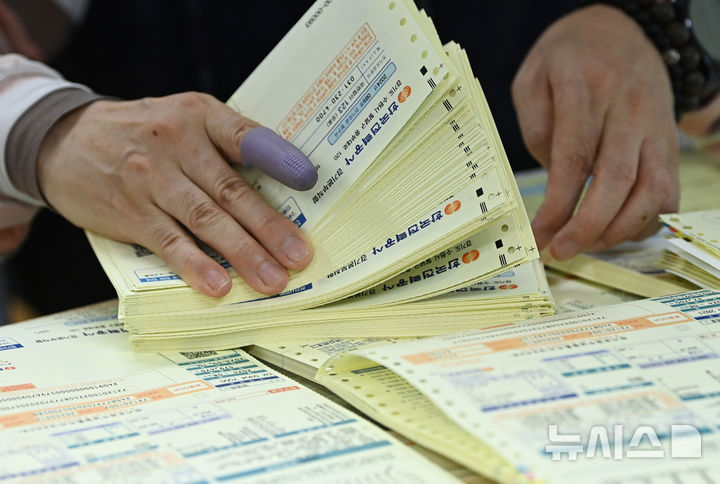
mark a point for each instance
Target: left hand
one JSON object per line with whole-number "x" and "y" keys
{"x": 14, "y": 36}
{"x": 594, "y": 99}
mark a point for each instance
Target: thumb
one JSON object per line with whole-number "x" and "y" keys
{"x": 253, "y": 146}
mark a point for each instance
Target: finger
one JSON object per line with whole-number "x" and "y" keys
{"x": 655, "y": 192}
{"x": 615, "y": 173}
{"x": 575, "y": 139}
{"x": 14, "y": 33}
{"x": 192, "y": 207}
{"x": 281, "y": 237}
{"x": 171, "y": 242}
{"x": 532, "y": 97}
{"x": 244, "y": 141}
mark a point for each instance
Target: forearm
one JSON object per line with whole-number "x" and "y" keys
{"x": 32, "y": 99}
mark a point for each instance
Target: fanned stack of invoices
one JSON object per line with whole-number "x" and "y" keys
{"x": 416, "y": 198}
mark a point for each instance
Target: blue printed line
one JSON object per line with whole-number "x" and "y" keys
{"x": 216, "y": 367}
{"x": 100, "y": 441}
{"x": 567, "y": 357}
{"x": 96, "y": 319}
{"x": 708, "y": 316}
{"x": 242, "y": 382}
{"x": 603, "y": 369}
{"x": 700, "y": 396}
{"x": 685, "y": 297}
{"x": 304, "y": 288}
{"x": 10, "y": 347}
{"x": 303, "y": 460}
{"x": 215, "y": 358}
{"x": 35, "y": 472}
{"x": 622, "y": 387}
{"x": 189, "y": 424}
{"x": 528, "y": 402}
{"x": 675, "y": 361}
{"x": 318, "y": 427}
{"x": 229, "y": 374}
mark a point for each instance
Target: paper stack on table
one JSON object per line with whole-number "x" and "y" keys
{"x": 695, "y": 253}
{"x": 77, "y": 404}
{"x": 416, "y": 197}
{"x": 631, "y": 391}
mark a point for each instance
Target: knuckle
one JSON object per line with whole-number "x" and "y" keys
{"x": 137, "y": 164}
{"x": 622, "y": 173}
{"x": 192, "y": 100}
{"x": 232, "y": 190}
{"x": 238, "y": 128}
{"x": 578, "y": 164}
{"x": 664, "y": 190}
{"x": 202, "y": 215}
{"x": 245, "y": 253}
{"x": 537, "y": 135}
{"x": 167, "y": 241}
{"x": 598, "y": 74}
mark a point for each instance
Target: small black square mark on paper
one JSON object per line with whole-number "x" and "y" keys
{"x": 479, "y": 192}
{"x": 423, "y": 70}
{"x": 498, "y": 243}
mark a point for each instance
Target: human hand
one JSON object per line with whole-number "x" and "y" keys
{"x": 594, "y": 99}
{"x": 704, "y": 126}
{"x": 149, "y": 171}
{"x": 14, "y": 37}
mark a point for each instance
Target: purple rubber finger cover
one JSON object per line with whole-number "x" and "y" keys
{"x": 264, "y": 149}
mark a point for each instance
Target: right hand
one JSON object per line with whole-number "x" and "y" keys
{"x": 154, "y": 170}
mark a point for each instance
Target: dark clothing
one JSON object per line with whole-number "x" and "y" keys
{"x": 137, "y": 48}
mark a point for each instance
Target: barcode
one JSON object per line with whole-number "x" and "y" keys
{"x": 447, "y": 105}
{"x": 141, "y": 251}
{"x": 503, "y": 260}
{"x": 431, "y": 83}
{"x": 483, "y": 207}
{"x": 193, "y": 355}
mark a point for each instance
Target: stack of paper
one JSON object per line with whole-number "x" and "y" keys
{"x": 695, "y": 253}
{"x": 616, "y": 394}
{"x": 77, "y": 404}
{"x": 416, "y": 197}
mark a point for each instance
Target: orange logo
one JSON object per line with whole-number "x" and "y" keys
{"x": 468, "y": 257}
{"x": 452, "y": 207}
{"x": 508, "y": 286}
{"x": 404, "y": 94}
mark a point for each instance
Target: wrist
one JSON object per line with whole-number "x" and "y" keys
{"x": 694, "y": 75}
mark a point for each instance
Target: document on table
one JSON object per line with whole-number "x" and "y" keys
{"x": 632, "y": 390}
{"x": 78, "y": 405}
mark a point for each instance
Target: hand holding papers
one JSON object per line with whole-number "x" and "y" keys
{"x": 412, "y": 177}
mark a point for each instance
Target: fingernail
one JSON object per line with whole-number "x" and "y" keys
{"x": 565, "y": 250}
{"x": 264, "y": 149}
{"x": 272, "y": 274}
{"x": 216, "y": 280}
{"x": 296, "y": 249}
